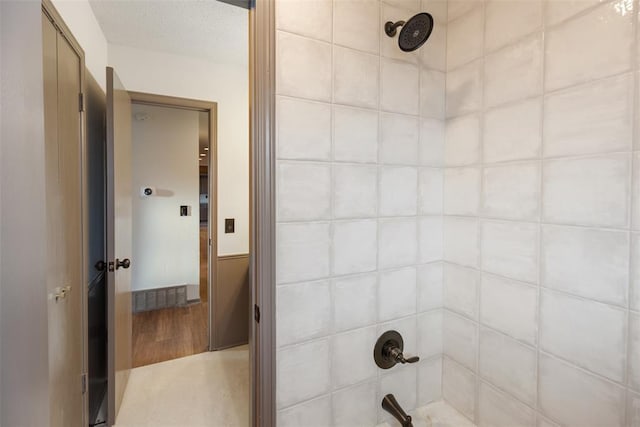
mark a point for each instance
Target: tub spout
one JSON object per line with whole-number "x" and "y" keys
{"x": 391, "y": 405}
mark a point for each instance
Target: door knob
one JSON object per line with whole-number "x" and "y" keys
{"x": 125, "y": 263}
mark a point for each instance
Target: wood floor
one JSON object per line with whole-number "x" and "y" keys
{"x": 169, "y": 333}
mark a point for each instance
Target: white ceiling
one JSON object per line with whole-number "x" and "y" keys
{"x": 200, "y": 28}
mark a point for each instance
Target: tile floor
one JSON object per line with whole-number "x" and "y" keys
{"x": 212, "y": 390}
{"x": 205, "y": 390}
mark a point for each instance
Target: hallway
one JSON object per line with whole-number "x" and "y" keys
{"x": 205, "y": 390}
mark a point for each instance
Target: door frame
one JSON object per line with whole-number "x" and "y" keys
{"x": 262, "y": 337}
{"x": 211, "y": 108}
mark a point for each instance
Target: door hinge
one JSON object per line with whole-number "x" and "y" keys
{"x": 256, "y": 313}
{"x": 81, "y": 101}
{"x": 84, "y": 383}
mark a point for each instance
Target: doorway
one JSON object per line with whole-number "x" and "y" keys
{"x": 173, "y": 150}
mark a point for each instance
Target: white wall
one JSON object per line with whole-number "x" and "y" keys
{"x": 187, "y": 77}
{"x": 79, "y": 17}
{"x": 166, "y": 246}
{"x": 24, "y": 372}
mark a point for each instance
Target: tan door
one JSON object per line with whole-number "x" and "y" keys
{"x": 63, "y": 169}
{"x": 119, "y": 193}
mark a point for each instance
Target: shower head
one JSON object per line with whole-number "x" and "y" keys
{"x": 414, "y": 32}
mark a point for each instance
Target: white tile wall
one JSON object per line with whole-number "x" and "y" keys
{"x": 355, "y": 301}
{"x": 357, "y": 404}
{"x": 634, "y": 350}
{"x": 430, "y": 189}
{"x": 511, "y": 191}
{"x": 304, "y": 312}
{"x": 304, "y": 130}
{"x": 399, "y": 139}
{"x": 512, "y": 132}
{"x": 459, "y": 387}
{"x": 559, "y": 10}
{"x": 510, "y": 307}
{"x": 355, "y": 78}
{"x": 432, "y": 94}
{"x": 461, "y": 241}
{"x": 462, "y": 146}
{"x": 314, "y": 412}
{"x": 635, "y": 214}
{"x": 464, "y": 89}
{"x": 460, "y": 339}
{"x": 351, "y": 360}
{"x": 588, "y": 119}
{"x": 592, "y": 191}
{"x": 361, "y": 14}
{"x": 299, "y": 61}
{"x": 609, "y": 40}
{"x": 547, "y": 113}
{"x": 533, "y": 214}
{"x": 432, "y": 134}
{"x": 302, "y": 252}
{"x": 430, "y": 286}
{"x": 429, "y": 381}
{"x": 354, "y": 246}
{"x": 513, "y": 73}
{"x": 429, "y": 239}
{"x": 584, "y": 332}
{"x": 511, "y": 249}
{"x": 508, "y": 365}
{"x": 399, "y": 82}
{"x": 429, "y": 329}
{"x": 397, "y": 246}
{"x": 397, "y": 297}
{"x": 355, "y": 135}
{"x": 461, "y": 191}
{"x": 355, "y": 191}
{"x": 508, "y": 21}
{"x": 310, "y": 361}
{"x": 304, "y": 191}
{"x": 586, "y": 262}
{"x": 398, "y": 190}
{"x": 311, "y": 18}
{"x": 499, "y": 409}
{"x": 461, "y": 287}
{"x": 635, "y": 272}
{"x": 565, "y": 391}
{"x": 464, "y": 38}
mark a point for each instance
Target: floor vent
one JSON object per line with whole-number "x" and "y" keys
{"x": 154, "y": 299}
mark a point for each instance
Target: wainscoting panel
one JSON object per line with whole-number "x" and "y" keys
{"x": 231, "y": 302}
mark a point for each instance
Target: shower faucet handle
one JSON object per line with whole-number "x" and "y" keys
{"x": 388, "y": 351}
{"x": 394, "y": 352}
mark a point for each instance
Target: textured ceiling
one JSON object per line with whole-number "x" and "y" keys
{"x": 201, "y": 28}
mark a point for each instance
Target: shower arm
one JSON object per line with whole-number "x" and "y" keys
{"x": 391, "y": 28}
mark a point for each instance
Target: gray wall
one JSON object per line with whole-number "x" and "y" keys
{"x": 23, "y": 299}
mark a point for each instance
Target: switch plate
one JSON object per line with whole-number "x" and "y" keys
{"x": 229, "y": 225}
{"x": 185, "y": 211}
